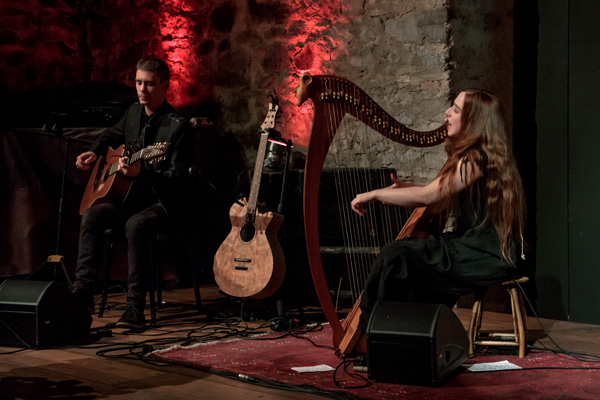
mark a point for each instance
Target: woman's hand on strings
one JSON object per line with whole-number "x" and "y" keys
{"x": 358, "y": 204}
{"x": 397, "y": 183}
{"x": 416, "y": 195}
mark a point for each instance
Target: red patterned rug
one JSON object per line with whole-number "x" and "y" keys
{"x": 271, "y": 359}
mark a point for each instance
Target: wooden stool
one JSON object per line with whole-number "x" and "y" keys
{"x": 519, "y": 335}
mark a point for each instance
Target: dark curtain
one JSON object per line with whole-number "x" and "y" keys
{"x": 32, "y": 164}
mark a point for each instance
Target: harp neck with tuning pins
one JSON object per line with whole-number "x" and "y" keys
{"x": 333, "y": 98}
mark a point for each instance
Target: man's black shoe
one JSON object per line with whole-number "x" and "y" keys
{"x": 132, "y": 318}
{"x": 84, "y": 297}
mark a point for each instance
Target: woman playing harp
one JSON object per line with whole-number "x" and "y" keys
{"x": 480, "y": 189}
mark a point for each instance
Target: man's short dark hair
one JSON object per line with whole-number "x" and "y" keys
{"x": 153, "y": 64}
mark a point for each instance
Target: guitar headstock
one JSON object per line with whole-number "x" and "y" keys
{"x": 271, "y": 118}
{"x": 155, "y": 153}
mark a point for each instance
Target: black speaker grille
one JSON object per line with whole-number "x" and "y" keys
{"x": 408, "y": 318}
{"x": 23, "y": 292}
{"x": 40, "y": 314}
{"x": 411, "y": 343}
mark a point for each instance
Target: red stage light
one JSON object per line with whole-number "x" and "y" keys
{"x": 176, "y": 37}
{"x": 312, "y": 39}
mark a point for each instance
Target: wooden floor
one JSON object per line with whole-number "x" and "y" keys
{"x": 82, "y": 372}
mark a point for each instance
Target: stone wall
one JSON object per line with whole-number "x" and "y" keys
{"x": 409, "y": 56}
{"x": 398, "y": 53}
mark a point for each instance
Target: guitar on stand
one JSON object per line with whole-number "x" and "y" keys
{"x": 250, "y": 261}
{"x": 105, "y": 183}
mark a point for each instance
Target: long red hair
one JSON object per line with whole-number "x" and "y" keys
{"x": 483, "y": 133}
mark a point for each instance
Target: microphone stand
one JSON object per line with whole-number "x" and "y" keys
{"x": 56, "y": 259}
{"x": 281, "y": 324}
{"x": 288, "y": 148}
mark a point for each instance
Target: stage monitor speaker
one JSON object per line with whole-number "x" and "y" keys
{"x": 414, "y": 344}
{"x": 40, "y": 314}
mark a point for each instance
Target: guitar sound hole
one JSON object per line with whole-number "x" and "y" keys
{"x": 247, "y": 232}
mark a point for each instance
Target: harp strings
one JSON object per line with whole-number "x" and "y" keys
{"x": 336, "y": 112}
{"x": 363, "y": 245}
{"x": 362, "y": 236}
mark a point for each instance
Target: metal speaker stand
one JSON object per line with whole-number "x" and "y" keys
{"x": 56, "y": 259}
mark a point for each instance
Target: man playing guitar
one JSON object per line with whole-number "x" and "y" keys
{"x": 154, "y": 191}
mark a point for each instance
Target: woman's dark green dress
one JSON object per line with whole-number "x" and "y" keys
{"x": 443, "y": 267}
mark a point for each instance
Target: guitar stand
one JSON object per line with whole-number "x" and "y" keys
{"x": 282, "y": 323}
{"x": 279, "y": 324}
{"x": 56, "y": 259}
{"x": 226, "y": 303}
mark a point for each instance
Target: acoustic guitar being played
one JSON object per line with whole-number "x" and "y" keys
{"x": 250, "y": 261}
{"x": 106, "y": 183}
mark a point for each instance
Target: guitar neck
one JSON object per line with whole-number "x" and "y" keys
{"x": 260, "y": 158}
{"x": 135, "y": 157}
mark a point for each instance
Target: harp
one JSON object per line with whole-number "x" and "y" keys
{"x": 333, "y": 98}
